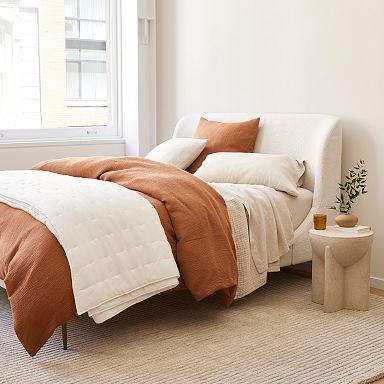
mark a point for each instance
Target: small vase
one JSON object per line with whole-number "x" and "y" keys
{"x": 346, "y": 220}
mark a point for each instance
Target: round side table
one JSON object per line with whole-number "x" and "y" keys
{"x": 340, "y": 268}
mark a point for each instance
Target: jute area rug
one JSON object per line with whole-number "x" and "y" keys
{"x": 275, "y": 335}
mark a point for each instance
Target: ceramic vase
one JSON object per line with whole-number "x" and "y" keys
{"x": 346, "y": 220}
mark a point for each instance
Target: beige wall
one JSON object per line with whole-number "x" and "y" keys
{"x": 305, "y": 56}
{"x": 54, "y": 110}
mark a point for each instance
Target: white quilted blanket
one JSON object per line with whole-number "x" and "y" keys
{"x": 115, "y": 244}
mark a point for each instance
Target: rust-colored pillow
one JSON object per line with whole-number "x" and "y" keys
{"x": 225, "y": 137}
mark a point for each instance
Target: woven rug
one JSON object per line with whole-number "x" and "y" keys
{"x": 274, "y": 335}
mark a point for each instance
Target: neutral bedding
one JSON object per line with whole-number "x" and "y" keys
{"x": 250, "y": 228}
{"x": 195, "y": 219}
{"x": 269, "y": 221}
{"x": 298, "y": 206}
{"x": 280, "y": 172}
{"x": 249, "y": 278}
{"x": 262, "y": 229}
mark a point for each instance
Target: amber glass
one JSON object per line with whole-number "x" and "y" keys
{"x": 319, "y": 221}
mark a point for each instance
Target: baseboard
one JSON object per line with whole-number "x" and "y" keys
{"x": 377, "y": 282}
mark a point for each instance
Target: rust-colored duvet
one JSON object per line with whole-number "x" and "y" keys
{"x": 194, "y": 216}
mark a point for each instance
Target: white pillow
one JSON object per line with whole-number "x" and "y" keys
{"x": 180, "y": 152}
{"x": 279, "y": 172}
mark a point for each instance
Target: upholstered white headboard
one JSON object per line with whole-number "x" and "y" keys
{"x": 314, "y": 138}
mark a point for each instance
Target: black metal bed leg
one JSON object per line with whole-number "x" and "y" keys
{"x": 64, "y": 335}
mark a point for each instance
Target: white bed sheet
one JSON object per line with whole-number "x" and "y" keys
{"x": 298, "y": 206}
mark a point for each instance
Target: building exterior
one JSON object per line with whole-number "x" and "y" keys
{"x": 53, "y": 63}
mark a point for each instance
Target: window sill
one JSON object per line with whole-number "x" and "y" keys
{"x": 59, "y": 142}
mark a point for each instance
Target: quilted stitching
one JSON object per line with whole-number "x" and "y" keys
{"x": 112, "y": 236}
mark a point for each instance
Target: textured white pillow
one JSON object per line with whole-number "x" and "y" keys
{"x": 279, "y": 172}
{"x": 180, "y": 152}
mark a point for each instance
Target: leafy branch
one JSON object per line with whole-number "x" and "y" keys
{"x": 354, "y": 186}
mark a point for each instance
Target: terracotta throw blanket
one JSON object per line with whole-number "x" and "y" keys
{"x": 194, "y": 216}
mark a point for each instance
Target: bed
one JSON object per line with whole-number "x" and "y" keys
{"x": 313, "y": 138}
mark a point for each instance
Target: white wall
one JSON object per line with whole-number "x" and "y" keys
{"x": 19, "y": 156}
{"x": 305, "y": 56}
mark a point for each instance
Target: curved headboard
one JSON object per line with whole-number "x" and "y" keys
{"x": 313, "y": 138}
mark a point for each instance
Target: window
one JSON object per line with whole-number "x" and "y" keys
{"x": 56, "y": 65}
{"x": 86, "y": 58}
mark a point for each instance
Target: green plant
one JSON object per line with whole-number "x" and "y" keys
{"x": 354, "y": 186}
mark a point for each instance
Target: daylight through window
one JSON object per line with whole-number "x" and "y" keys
{"x": 54, "y": 63}
{"x": 86, "y": 35}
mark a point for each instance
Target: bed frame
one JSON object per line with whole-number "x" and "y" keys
{"x": 313, "y": 138}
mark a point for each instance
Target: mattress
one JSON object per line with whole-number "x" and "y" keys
{"x": 298, "y": 206}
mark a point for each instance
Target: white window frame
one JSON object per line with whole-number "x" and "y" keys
{"x": 115, "y": 130}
